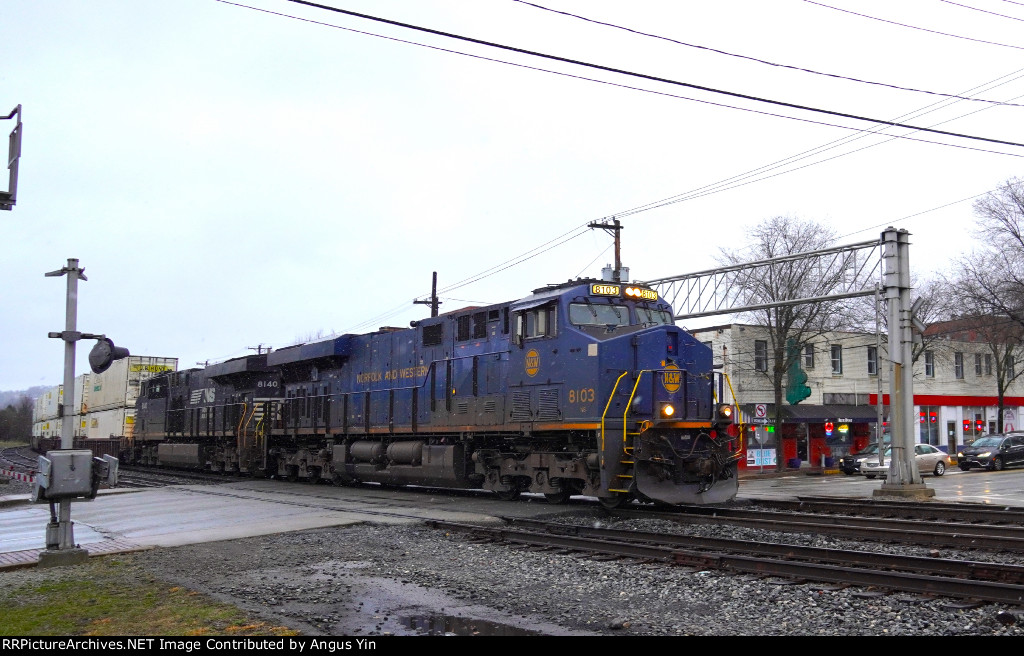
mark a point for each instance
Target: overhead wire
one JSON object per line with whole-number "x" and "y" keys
{"x": 519, "y": 259}
{"x": 653, "y": 78}
{"x": 915, "y": 27}
{"x": 757, "y": 59}
{"x": 984, "y": 11}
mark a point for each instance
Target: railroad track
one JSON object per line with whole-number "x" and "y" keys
{"x": 972, "y": 581}
{"x": 15, "y": 459}
{"x": 962, "y": 535}
{"x": 931, "y": 510}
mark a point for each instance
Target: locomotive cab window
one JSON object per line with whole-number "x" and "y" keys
{"x": 651, "y": 316}
{"x": 598, "y": 314}
{"x": 536, "y": 322}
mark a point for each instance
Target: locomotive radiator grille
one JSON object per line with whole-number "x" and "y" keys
{"x": 521, "y": 406}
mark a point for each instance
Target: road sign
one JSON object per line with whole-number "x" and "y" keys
{"x": 760, "y": 411}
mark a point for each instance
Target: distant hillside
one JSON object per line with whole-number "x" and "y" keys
{"x": 10, "y": 398}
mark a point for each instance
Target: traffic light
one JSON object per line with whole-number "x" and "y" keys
{"x": 104, "y": 353}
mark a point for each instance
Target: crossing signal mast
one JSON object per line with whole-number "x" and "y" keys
{"x": 10, "y": 197}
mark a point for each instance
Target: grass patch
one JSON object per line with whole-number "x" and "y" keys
{"x": 108, "y": 596}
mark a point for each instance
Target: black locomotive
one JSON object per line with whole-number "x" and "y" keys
{"x": 582, "y": 388}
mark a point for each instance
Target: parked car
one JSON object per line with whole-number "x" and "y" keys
{"x": 993, "y": 452}
{"x": 930, "y": 460}
{"x": 850, "y": 463}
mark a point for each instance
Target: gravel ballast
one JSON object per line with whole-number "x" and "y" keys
{"x": 409, "y": 579}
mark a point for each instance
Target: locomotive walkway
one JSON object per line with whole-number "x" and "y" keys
{"x": 124, "y": 520}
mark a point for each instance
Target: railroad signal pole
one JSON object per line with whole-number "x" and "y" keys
{"x": 60, "y": 535}
{"x": 10, "y": 197}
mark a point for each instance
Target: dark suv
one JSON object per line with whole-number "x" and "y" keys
{"x": 992, "y": 452}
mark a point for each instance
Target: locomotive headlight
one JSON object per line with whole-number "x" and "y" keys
{"x": 725, "y": 411}
{"x": 667, "y": 410}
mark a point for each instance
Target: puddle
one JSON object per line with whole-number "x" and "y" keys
{"x": 461, "y": 626}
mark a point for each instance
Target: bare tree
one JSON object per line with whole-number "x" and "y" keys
{"x": 991, "y": 280}
{"x": 791, "y": 327}
{"x": 984, "y": 292}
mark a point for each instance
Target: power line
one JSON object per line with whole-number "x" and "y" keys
{"x": 514, "y": 261}
{"x": 914, "y": 27}
{"x": 644, "y": 76}
{"x": 609, "y": 83}
{"x": 948, "y": 2}
{"x": 758, "y": 60}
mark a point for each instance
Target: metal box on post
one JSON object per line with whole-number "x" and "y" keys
{"x": 64, "y": 474}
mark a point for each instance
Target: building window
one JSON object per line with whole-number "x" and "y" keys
{"x": 929, "y": 364}
{"x": 809, "y": 356}
{"x": 872, "y": 361}
{"x": 760, "y": 355}
{"x": 977, "y": 364}
{"x": 958, "y": 365}
{"x": 837, "y": 360}
{"x": 988, "y": 364}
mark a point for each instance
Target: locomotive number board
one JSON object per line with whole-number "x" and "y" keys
{"x": 632, "y": 292}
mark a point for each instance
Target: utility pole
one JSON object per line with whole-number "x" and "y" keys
{"x": 432, "y": 302}
{"x": 614, "y": 228}
{"x": 258, "y": 349}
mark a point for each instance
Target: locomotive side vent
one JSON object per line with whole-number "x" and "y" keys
{"x": 547, "y": 405}
{"x": 521, "y": 406}
{"x": 461, "y": 407}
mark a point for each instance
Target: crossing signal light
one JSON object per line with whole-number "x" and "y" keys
{"x": 104, "y": 353}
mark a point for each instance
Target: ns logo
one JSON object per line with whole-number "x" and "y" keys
{"x": 672, "y": 378}
{"x": 532, "y": 363}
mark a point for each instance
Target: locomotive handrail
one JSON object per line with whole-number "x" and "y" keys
{"x": 608, "y": 405}
{"x": 238, "y": 430}
{"x": 629, "y": 404}
{"x": 247, "y": 421}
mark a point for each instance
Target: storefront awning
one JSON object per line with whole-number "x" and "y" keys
{"x": 814, "y": 414}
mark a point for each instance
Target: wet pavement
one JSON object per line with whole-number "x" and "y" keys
{"x": 131, "y": 519}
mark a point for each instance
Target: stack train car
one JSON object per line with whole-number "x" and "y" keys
{"x": 102, "y": 413}
{"x": 581, "y": 388}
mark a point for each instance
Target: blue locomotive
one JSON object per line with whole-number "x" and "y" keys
{"x": 581, "y": 388}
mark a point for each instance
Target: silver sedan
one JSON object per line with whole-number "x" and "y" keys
{"x": 930, "y": 460}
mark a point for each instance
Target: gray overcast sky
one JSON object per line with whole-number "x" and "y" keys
{"x": 232, "y": 178}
